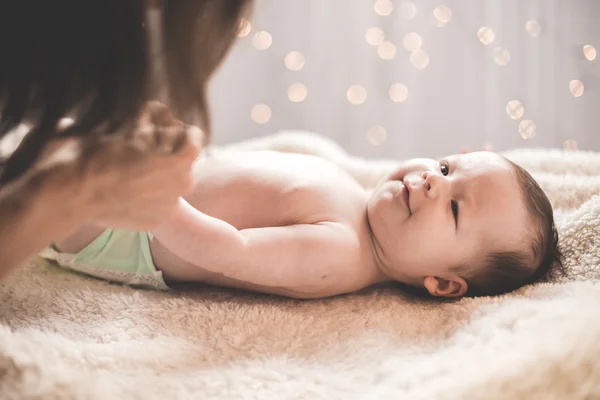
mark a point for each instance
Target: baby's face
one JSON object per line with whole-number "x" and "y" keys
{"x": 429, "y": 216}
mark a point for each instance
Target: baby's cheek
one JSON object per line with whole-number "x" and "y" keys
{"x": 395, "y": 175}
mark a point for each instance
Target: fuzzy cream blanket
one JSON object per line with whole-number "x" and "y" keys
{"x": 66, "y": 336}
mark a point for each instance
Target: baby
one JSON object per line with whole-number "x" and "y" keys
{"x": 300, "y": 226}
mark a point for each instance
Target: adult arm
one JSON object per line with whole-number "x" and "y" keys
{"x": 32, "y": 214}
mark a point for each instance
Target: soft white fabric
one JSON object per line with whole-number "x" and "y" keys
{"x": 67, "y": 336}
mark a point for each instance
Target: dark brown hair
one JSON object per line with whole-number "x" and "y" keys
{"x": 91, "y": 59}
{"x": 539, "y": 259}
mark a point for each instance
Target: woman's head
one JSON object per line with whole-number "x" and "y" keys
{"x": 468, "y": 224}
{"x": 91, "y": 60}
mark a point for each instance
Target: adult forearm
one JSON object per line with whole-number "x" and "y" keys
{"x": 31, "y": 218}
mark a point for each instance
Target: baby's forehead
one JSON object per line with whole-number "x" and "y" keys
{"x": 484, "y": 174}
{"x": 491, "y": 185}
{"x": 503, "y": 220}
{"x": 485, "y": 160}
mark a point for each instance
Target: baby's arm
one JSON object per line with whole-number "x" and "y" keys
{"x": 288, "y": 256}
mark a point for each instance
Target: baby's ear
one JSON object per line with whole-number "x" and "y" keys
{"x": 453, "y": 286}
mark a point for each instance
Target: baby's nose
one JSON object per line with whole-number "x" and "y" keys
{"x": 426, "y": 180}
{"x": 433, "y": 183}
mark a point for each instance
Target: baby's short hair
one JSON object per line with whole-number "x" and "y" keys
{"x": 503, "y": 272}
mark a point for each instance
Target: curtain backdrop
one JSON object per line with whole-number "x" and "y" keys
{"x": 391, "y": 78}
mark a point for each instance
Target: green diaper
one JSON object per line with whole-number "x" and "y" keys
{"x": 116, "y": 255}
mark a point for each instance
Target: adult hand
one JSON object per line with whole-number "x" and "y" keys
{"x": 128, "y": 181}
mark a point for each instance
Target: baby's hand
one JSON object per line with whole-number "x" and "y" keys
{"x": 131, "y": 181}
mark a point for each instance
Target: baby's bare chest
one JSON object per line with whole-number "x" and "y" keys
{"x": 272, "y": 189}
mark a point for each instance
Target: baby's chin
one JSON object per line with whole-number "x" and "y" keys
{"x": 376, "y": 196}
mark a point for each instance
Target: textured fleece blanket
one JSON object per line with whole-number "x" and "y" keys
{"x": 66, "y": 336}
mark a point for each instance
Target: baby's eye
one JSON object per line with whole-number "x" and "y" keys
{"x": 454, "y": 207}
{"x": 444, "y": 169}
